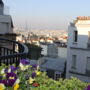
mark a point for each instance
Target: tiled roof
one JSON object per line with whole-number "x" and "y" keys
{"x": 83, "y": 18}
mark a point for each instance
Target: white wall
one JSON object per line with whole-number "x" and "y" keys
{"x": 52, "y": 50}
{"x": 44, "y": 49}
{"x": 62, "y": 52}
{"x": 82, "y": 37}
{"x": 81, "y": 60}
{"x": 83, "y": 28}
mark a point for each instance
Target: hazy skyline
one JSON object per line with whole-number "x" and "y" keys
{"x": 46, "y": 14}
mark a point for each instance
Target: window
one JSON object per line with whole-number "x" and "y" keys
{"x": 88, "y": 44}
{"x": 88, "y": 64}
{"x": 89, "y": 37}
{"x": 75, "y": 36}
{"x": 57, "y": 75}
{"x": 74, "y": 61}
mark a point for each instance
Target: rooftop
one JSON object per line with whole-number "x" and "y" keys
{"x": 83, "y": 18}
{"x": 81, "y": 21}
{"x": 56, "y": 64}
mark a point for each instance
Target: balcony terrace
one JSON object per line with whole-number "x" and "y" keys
{"x": 12, "y": 51}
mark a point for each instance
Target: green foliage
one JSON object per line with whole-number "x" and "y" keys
{"x": 32, "y": 46}
{"x": 46, "y": 83}
{"x": 34, "y": 51}
{"x": 43, "y": 81}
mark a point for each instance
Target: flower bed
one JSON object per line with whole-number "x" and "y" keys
{"x": 28, "y": 77}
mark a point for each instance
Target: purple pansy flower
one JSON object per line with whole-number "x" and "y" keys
{"x": 33, "y": 75}
{"x": 11, "y": 78}
{"x": 11, "y": 74}
{"x": 34, "y": 67}
{"x": 88, "y": 87}
{"x": 25, "y": 62}
{"x": 5, "y": 82}
{"x": 6, "y": 70}
{"x": 14, "y": 68}
{"x": 11, "y": 82}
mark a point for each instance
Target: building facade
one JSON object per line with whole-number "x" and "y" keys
{"x": 6, "y": 24}
{"x": 78, "y": 49}
{"x": 6, "y": 27}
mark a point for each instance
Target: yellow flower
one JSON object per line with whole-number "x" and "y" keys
{"x": 3, "y": 75}
{"x": 2, "y": 71}
{"x": 16, "y": 86}
{"x": 31, "y": 80}
{"x": 24, "y": 67}
{"x": 11, "y": 77}
{"x": 9, "y": 70}
{"x": 17, "y": 81}
{"x": 38, "y": 72}
{"x": 2, "y": 87}
{"x": 38, "y": 67}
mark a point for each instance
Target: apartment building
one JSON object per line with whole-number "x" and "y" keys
{"x": 78, "y": 49}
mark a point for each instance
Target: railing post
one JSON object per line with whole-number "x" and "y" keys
{"x": 13, "y": 47}
{"x": 0, "y": 51}
{"x": 4, "y": 51}
{"x": 0, "y": 61}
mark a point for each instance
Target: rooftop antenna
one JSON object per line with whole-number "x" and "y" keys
{"x": 30, "y": 28}
{"x": 26, "y": 27}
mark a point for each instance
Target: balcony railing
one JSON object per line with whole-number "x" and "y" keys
{"x": 11, "y": 52}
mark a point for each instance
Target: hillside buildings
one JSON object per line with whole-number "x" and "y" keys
{"x": 78, "y": 56}
{"x": 43, "y": 35}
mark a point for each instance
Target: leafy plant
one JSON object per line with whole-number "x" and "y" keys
{"x": 29, "y": 76}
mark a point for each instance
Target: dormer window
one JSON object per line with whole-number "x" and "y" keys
{"x": 75, "y": 36}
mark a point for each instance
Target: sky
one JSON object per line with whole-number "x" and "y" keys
{"x": 46, "y": 14}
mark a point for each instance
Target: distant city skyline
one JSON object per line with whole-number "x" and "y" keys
{"x": 46, "y": 14}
